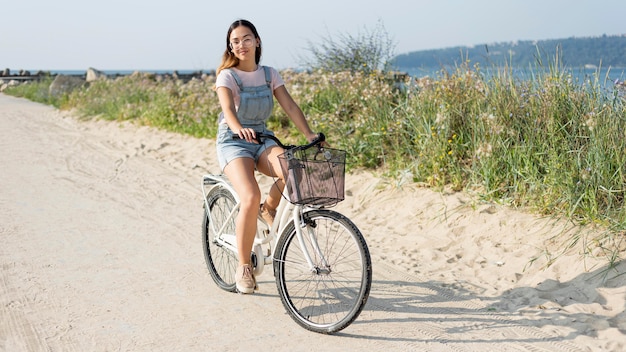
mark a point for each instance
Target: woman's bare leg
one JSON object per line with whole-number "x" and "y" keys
{"x": 240, "y": 172}
{"x": 270, "y": 165}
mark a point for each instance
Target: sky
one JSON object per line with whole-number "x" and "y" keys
{"x": 190, "y": 34}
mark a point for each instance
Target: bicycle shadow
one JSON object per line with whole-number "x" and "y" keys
{"x": 421, "y": 312}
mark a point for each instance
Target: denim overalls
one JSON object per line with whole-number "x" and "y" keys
{"x": 255, "y": 107}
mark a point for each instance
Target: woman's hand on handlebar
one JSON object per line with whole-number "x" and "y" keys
{"x": 315, "y": 136}
{"x": 248, "y": 134}
{"x": 312, "y": 136}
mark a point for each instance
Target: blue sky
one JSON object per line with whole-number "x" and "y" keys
{"x": 190, "y": 34}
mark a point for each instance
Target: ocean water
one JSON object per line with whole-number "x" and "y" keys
{"x": 605, "y": 76}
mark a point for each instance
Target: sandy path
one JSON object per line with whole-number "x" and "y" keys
{"x": 100, "y": 228}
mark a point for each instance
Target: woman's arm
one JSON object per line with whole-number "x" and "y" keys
{"x": 294, "y": 112}
{"x": 227, "y": 103}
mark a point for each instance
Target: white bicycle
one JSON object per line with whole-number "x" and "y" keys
{"x": 321, "y": 261}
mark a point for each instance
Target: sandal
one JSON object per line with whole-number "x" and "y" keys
{"x": 267, "y": 214}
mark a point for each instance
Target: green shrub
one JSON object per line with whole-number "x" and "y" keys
{"x": 170, "y": 104}
{"x": 368, "y": 51}
{"x": 34, "y": 90}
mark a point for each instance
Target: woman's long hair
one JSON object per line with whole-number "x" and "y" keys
{"x": 228, "y": 58}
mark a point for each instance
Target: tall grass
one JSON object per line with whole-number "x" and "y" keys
{"x": 547, "y": 142}
{"x": 35, "y": 91}
{"x": 148, "y": 99}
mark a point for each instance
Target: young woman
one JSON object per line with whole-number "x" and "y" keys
{"x": 246, "y": 92}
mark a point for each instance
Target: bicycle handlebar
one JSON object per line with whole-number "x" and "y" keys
{"x": 260, "y": 135}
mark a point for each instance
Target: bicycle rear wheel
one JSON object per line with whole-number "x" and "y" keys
{"x": 221, "y": 262}
{"x": 331, "y": 296}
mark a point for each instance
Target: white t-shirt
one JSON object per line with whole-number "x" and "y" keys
{"x": 248, "y": 79}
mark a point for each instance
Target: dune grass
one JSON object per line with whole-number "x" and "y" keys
{"x": 548, "y": 143}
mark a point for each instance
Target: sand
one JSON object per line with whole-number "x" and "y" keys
{"x": 101, "y": 250}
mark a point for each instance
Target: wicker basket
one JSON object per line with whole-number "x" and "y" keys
{"x": 315, "y": 176}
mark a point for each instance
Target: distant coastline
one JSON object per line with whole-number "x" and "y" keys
{"x": 29, "y": 75}
{"x": 571, "y": 53}
{"x": 9, "y": 72}
{"x": 68, "y": 79}
{"x": 128, "y": 72}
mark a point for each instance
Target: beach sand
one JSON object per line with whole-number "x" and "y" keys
{"x": 100, "y": 224}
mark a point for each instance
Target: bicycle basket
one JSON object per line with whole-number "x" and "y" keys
{"x": 315, "y": 176}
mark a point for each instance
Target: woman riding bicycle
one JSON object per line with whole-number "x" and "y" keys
{"x": 246, "y": 90}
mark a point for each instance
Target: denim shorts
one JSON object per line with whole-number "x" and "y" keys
{"x": 229, "y": 149}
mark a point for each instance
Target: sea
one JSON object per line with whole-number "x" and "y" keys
{"x": 604, "y": 75}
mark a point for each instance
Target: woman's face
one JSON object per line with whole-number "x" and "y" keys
{"x": 243, "y": 43}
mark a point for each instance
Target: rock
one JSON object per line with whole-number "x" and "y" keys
{"x": 93, "y": 75}
{"x": 4, "y": 85}
{"x": 63, "y": 84}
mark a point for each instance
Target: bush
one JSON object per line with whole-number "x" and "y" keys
{"x": 34, "y": 90}
{"x": 371, "y": 50}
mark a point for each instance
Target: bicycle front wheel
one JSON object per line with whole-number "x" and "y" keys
{"x": 329, "y": 296}
{"x": 221, "y": 261}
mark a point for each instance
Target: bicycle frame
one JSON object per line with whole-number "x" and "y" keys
{"x": 285, "y": 213}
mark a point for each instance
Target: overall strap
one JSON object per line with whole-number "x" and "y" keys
{"x": 268, "y": 76}
{"x": 237, "y": 79}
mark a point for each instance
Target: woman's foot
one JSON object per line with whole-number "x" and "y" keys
{"x": 267, "y": 214}
{"x": 244, "y": 279}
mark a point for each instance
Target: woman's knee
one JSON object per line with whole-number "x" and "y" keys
{"x": 250, "y": 200}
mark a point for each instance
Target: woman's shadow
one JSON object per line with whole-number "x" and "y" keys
{"x": 457, "y": 314}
